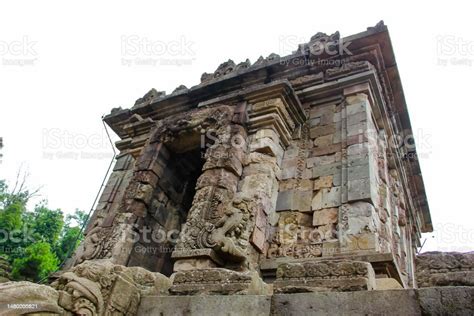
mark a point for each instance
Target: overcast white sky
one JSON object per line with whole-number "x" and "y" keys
{"x": 82, "y": 59}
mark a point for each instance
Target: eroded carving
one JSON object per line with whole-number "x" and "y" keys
{"x": 445, "y": 269}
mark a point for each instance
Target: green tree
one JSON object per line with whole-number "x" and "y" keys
{"x": 36, "y": 264}
{"x": 47, "y": 223}
{"x": 33, "y": 243}
{"x": 11, "y": 222}
{"x": 71, "y": 235}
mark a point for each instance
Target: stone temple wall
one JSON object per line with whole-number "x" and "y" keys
{"x": 281, "y": 183}
{"x": 278, "y": 162}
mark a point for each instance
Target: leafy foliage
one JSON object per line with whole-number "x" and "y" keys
{"x": 34, "y": 243}
{"x": 37, "y": 263}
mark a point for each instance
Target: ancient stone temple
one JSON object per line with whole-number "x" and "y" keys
{"x": 290, "y": 185}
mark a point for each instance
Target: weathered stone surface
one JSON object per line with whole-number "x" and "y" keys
{"x": 387, "y": 284}
{"x": 100, "y": 287}
{"x": 325, "y": 216}
{"x": 232, "y": 305}
{"x": 394, "y": 302}
{"x": 445, "y": 269}
{"x": 323, "y": 182}
{"x": 327, "y": 169}
{"x": 285, "y": 201}
{"x": 323, "y": 140}
{"x": 217, "y": 281}
{"x": 327, "y": 198}
{"x": 360, "y": 242}
{"x": 317, "y": 201}
{"x": 426, "y": 301}
{"x": 326, "y": 150}
{"x": 447, "y": 300}
{"x": 294, "y": 201}
{"x": 361, "y": 217}
{"x": 319, "y": 131}
{"x": 324, "y": 276}
{"x": 241, "y": 167}
{"x": 96, "y": 287}
{"x": 359, "y": 189}
{"x": 296, "y": 218}
{"x": 30, "y": 297}
{"x": 314, "y": 162}
{"x": 296, "y": 184}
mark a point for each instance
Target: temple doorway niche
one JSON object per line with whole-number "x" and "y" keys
{"x": 171, "y": 201}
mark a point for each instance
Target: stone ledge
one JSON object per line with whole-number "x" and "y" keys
{"x": 426, "y": 301}
{"x": 206, "y": 305}
{"x": 445, "y": 269}
{"x": 319, "y": 276}
{"x": 217, "y": 281}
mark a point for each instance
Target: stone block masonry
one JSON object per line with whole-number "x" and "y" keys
{"x": 274, "y": 183}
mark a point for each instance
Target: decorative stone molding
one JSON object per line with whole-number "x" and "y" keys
{"x": 445, "y": 269}
{"x": 103, "y": 288}
{"x": 314, "y": 276}
{"x": 96, "y": 287}
{"x": 217, "y": 281}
